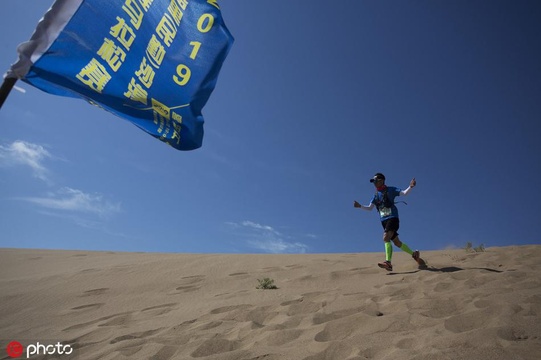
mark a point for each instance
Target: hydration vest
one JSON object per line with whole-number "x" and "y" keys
{"x": 384, "y": 202}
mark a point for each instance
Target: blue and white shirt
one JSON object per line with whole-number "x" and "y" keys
{"x": 388, "y": 210}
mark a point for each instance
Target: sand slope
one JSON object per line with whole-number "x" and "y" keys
{"x": 328, "y": 306}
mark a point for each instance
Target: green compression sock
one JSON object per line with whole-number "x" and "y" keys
{"x": 405, "y": 248}
{"x": 388, "y": 251}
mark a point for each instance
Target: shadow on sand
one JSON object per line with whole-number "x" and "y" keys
{"x": 448, "y": 269}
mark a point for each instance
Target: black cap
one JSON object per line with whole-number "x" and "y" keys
{"x": 377, "y": 177}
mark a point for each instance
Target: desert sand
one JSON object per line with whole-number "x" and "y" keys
{"x": 114, "y": 305}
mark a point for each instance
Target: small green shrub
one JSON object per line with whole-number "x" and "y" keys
{"x": 470, "y": 248}
{"x": 266, "y": 284}
{"x": 480, "y": 248}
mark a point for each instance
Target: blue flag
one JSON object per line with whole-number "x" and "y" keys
{"x": 152, "y": 62}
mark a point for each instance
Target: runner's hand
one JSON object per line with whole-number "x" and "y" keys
{"x": 413, "y": 183}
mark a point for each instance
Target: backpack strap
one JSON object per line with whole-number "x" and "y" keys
{"x": 384, "y": 199}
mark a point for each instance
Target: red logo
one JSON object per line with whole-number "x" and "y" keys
{"x": 15, "y": 349}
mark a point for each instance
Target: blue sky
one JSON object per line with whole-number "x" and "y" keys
{"x": 313, "y": 99}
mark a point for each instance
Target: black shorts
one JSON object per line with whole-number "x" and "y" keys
{"x": 391, "y": 224}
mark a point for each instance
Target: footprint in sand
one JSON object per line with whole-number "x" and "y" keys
{"x": 225, "y": 309}
{"x": 240, "y": 274}
{"x": 443, "y": 286}
{"x": 479, "y": 281}
{"x": 468, "y": 321}
{"x": 88, "y": 271}
{"x": 183, "y": 327}
{"x": 291, "y": 302}
{"x": 510, "y": 334}
{"x": 302, "y": 306}
{"x": 335, "y": 350}
{"x": 295, "y": 267}
{"x": 193, "y": 278}
{"x": 118, "y": 320}
{"x": 130, "y": 351}
{"x": 209, "y": 325}
{"x": 402, "y": 294}
{"x": 123, "y": 338}
{"x": 336, "y": 331}
{"x": 321, "y": 318}
{"x": 95, "y": 292}
{"x": 166, "y": 352}
{"x": 435, "y": 308}
{"x": 306, "y": 278}
{"x": 160, "y": 309}
{"x": 460, "y": 275}
{"x": 278, "y": 338}
{"x": 188, "y": 288}
{"x": 271, "y": 269}
{"x": 189, "y": 284}
{"x": 138, "y": 336}
{"x": 215, "y": 346}
{"x": 93, "y": 322}
{"x": 88, "y": 306}
{"x": 406, "y": 343}
{"x": 228, "y": 295}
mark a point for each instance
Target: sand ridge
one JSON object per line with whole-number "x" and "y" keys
{"x": 109, "y": 305}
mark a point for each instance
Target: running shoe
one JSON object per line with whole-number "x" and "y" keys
{"x": 386, "y": 265}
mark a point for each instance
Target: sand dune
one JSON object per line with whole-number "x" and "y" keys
{"x": 109, "y": 305}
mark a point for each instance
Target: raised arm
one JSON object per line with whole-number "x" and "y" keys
{"x": 413, "y": 183}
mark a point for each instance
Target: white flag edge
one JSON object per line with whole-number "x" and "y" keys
{"x": 47, "y": 31}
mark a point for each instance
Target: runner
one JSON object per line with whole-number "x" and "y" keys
{"x": 383, "y": 201}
